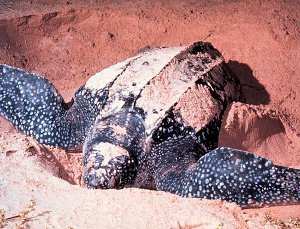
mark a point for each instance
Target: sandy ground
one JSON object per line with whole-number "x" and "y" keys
{"x": 69, "y": 41}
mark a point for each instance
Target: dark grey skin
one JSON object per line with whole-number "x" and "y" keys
{"x": 176, "y": 166}
{"x": 128, "y": 141}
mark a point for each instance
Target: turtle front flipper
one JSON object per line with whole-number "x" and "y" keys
{"x": 35, "y": 107}
{"x": 113, "y": 149}
{"x": 224, "y": 173}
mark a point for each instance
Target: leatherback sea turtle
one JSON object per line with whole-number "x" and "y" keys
{"x": 151, "y": 121}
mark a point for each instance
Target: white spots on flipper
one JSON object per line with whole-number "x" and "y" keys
{"x": 35, "y": 107}
{"x": 227, "y": 174}
{"x": 268, "y": 164}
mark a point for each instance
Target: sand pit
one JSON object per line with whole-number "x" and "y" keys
{"x": 68, "y": 42}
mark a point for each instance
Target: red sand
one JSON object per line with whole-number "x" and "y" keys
{"x": 69, "y": 42}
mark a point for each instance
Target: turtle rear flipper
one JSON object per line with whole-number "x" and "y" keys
{"x": 226, "y": 174}
{"x": 34, "y": 106}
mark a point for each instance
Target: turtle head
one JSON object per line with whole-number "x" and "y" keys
{"x": 112, "y": 150}
{"x": 107, "y": 166}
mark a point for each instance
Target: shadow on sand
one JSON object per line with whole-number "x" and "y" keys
{"x": 253, "y": 92}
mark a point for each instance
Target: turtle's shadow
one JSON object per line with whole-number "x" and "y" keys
{"x": 253, "y": 92}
